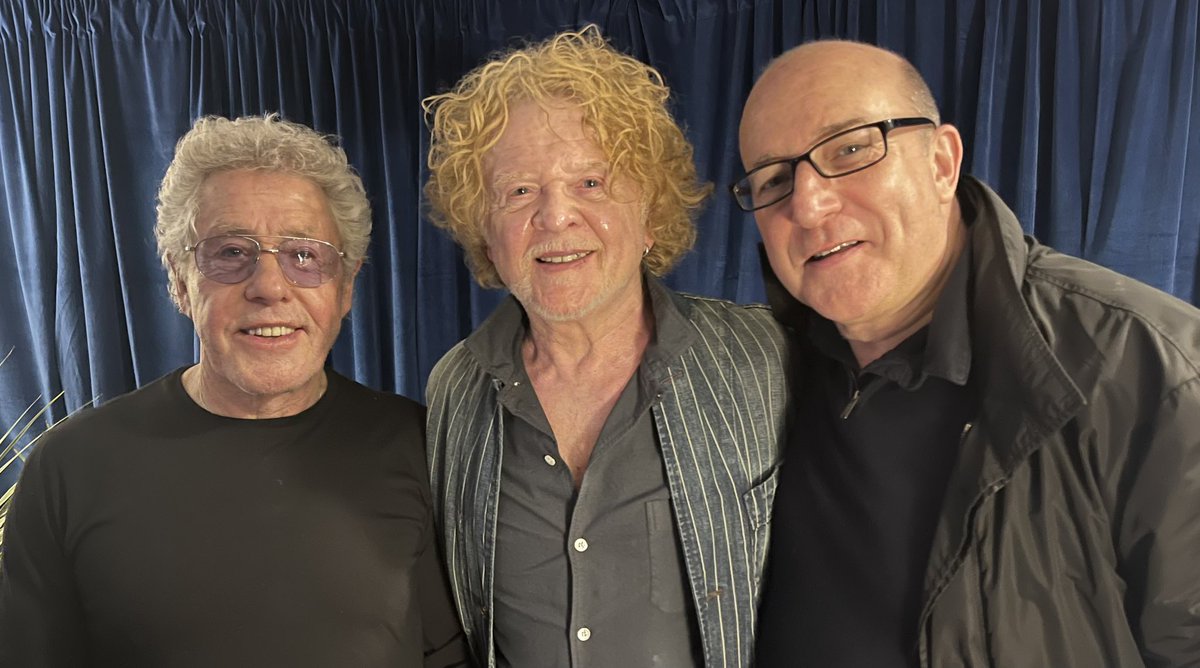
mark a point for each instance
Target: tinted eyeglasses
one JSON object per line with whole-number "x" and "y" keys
{"x": 232, "y": 258}
{"x": 844, "y": 153}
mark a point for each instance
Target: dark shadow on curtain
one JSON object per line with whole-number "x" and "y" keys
{"x": 1084, "y": 115}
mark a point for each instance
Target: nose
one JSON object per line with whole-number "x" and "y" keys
{"x": 555, "y": 209}
{"x": 267, "y": 284}
{"x": 813, "y": 197}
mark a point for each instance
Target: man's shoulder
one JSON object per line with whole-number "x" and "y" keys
{"x": 360, "y": 398}
{"x": 725, "y": 306}
{"x": 376, "y": 419}
{"x": 720, "y": 316}
{"x": 457, "y": 370}
{"x": 1115, "y": 311}
{"x": 120, "y": 421}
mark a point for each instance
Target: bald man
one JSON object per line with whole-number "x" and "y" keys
{"x": 1000, "y": 460}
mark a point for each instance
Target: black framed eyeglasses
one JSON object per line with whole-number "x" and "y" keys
{"x": 232, "y": 258}
{"x": 844, "y": 153}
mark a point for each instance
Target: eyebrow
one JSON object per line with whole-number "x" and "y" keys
{"x": 502, "y": 181}
{"x": 588, "y": 166}
{"x": 220, "y": 230}
{"x": 824, "y": 132}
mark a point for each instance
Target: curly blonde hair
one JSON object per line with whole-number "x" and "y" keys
{"x": 269, "y": 143}
{"x": 624, "y": 103}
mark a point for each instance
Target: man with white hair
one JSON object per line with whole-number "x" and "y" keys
{"x": 256, "y": 508}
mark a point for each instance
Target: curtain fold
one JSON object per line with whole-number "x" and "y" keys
{"x": 1084, "y": 115}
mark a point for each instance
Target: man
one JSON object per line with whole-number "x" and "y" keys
{"x": 256, "y": 508}
{"x": 1000, "y": 464}
{"x": 602, "y": 448}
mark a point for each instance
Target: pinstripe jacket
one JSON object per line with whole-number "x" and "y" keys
{"x": 720, "y": 422}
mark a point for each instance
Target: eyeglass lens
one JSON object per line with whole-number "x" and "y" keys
{"x": 840, "y": 154}
{"x": 231, "y": 259}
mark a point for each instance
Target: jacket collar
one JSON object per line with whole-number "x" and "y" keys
{"x": 1026, "y": 391}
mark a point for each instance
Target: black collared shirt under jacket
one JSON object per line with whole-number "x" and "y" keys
{"x": 860, "y": 491}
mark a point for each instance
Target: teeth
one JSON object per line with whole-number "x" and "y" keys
{"x": 561, "y": 259}
{"x": 270, "y": 331}
{"x": 835, "y": 249}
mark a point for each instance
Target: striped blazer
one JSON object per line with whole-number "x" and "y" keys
{"x": 720, "y": 421}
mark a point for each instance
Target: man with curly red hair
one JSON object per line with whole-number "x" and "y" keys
{"x": 602, "y": 448}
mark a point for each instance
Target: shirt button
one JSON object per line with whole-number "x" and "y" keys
{"x": 581, "y": 545}
{"x": 583, "y": 633}
{"x": 549, "y": 460}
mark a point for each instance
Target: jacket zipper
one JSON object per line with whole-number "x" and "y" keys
{"x": 925, "y": 650}
{"x": 855, "y": 395}
{"x": 853, "y": 402}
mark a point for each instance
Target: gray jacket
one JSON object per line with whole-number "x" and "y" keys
{"x": 1069, "y": 535}
{"x": 719, "y": 421}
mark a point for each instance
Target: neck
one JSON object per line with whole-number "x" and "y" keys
{"x": 870, "y": 341}
{"x": 612, "y": 340}
{"x": 867, "y": 351}
{"x": 228, "y": 401}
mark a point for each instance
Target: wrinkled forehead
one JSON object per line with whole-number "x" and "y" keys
{"x": 247, "y": 201}
{"x": 544, "y": 121}
{"x": 538, "y": 133}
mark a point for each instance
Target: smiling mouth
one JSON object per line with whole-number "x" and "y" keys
{"x": 833, "y": 251}
{"x": 563, "y": 259}
{"x": 269, "y": 332}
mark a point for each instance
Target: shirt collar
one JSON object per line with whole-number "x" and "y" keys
{"x": 948, "y": 351}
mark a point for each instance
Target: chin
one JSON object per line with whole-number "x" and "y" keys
{"x": 566, "y": 308}
{"x": 835, "y": 308}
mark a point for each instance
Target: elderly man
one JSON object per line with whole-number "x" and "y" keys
{"x": 1000, "y": 464}
{"x": 255, "y": 509}
{"x": 602, "y": 448}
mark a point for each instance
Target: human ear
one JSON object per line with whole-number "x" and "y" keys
{"x": 180, "y": 286}
{"x": 946, "y": 160}
{"x": 347, "y": 292}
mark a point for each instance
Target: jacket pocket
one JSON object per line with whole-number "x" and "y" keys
{"x": 759, "y": 499}
{"x": 757, "y": 502}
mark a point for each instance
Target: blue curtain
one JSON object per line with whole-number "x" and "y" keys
{"x": 1085, "y": 116}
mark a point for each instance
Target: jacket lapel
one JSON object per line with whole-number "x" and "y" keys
{"x": 1025, "y": 393}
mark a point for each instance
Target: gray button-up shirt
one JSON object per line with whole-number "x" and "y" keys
{"x": 718, "y": 423}
{"x": 594, "y": 577}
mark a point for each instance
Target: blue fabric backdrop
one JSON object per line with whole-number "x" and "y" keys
{"x": 1084, "y": 115}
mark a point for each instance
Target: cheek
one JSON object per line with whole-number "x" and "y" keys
{"x": 777, "y": 240}
{"x": 194, "y": 303}
{"x": 626, "y": 221}
{"x": 498, "y": 235}
{"x": 775, "y": 233}
{"x": 209, "y": 312}
{"x": 346, "y": 297}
